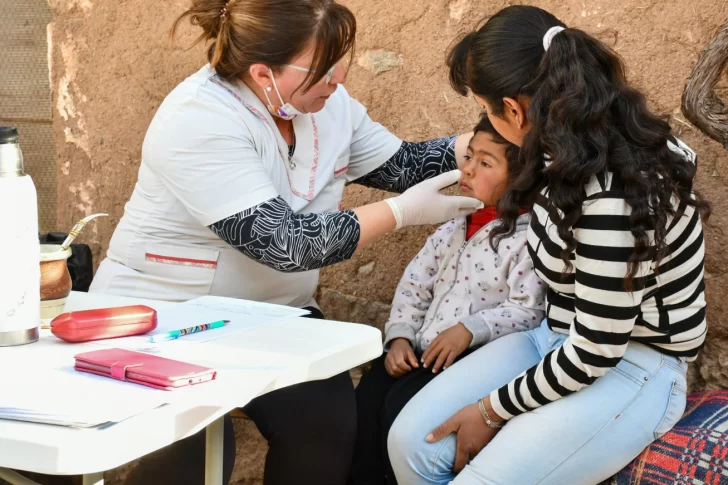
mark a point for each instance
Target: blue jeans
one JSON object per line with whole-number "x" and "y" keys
{"x": 581, "y": 439}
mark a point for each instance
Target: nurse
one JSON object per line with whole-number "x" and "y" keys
{"x": 239, "y": 192}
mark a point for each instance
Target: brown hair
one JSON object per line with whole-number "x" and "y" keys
{"x": 272, "y": 32}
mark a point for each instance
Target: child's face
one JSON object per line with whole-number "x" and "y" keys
{"x": 485, "y": 171}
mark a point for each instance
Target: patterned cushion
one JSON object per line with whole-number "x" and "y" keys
{"x": 694, "y": 452}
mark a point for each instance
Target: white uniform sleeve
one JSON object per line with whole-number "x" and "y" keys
{"x": 205, "y": 156}
{"x": 371, "y": 144}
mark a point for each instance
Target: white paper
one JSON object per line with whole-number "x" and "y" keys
{"x": 243, "y": 316}
{"x": 249, "y": 308}
{"x": 67, "y": 397}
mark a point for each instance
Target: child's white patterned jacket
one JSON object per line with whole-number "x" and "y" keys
{"x": 453, "y": 280}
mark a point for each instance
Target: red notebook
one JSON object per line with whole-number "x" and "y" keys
{"x": 144, "y": 369}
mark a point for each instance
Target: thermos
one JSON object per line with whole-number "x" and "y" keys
{"x": 19, "y": 246}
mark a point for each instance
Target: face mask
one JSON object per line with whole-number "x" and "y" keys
{"x": 286, "y": 111}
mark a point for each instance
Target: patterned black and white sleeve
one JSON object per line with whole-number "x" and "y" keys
{"x": 411, "y": 164}
{"x": 272, "y": 234}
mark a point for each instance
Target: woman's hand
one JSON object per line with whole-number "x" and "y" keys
{"x": 424, "y": 204}
{"x": 401, "y": 358}
{"x": 473, "y": 434}
{"x": 447, "y": 347}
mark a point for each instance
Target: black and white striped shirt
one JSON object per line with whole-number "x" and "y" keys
{"x": 665, "y": 310}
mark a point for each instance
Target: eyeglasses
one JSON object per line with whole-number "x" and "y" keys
{"x": 329, "y": 73}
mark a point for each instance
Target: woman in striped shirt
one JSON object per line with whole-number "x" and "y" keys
{"x": 616, "y": 235}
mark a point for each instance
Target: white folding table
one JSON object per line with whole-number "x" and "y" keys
{"x": 278, "y": 355}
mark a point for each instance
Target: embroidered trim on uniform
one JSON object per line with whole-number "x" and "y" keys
{"x": 340, "y": 171}
{"x": 198, "y": 263}
{"x": 284, "y": 157}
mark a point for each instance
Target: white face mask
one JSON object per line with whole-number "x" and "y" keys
{"x": 285, "y": 111}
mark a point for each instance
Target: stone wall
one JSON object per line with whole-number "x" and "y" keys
{"x": 25, "y": 96}
{"x": 112, "y": 64}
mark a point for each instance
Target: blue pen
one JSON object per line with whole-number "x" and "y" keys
{"x": 175, "y": 334}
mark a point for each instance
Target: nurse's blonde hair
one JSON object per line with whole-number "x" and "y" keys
{"x": 272, "y": 32}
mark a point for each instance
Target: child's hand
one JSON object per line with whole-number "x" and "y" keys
{"x": 401, "y": 358}
{"x": 446, "y": 347}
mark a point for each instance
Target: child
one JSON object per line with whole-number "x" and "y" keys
{"x": 455, "y": 296}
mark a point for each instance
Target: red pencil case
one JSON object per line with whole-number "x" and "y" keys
{"x": 104, "y": 323}
{"x": 144, "y": 369}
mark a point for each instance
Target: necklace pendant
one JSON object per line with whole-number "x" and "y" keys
{"x": 291, "y": 163}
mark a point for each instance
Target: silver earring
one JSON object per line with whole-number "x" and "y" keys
{"x": 268, "y": 88}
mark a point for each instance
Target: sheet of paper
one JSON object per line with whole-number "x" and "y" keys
{"x": 249, "y": 308}
{"x": 66, "y": 397}
{"x": 243, "y": 316}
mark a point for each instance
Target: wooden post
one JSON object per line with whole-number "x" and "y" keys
{"x": 700, "y": 104}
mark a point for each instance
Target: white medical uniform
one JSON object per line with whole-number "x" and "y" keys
{"x": 212, "y": 151}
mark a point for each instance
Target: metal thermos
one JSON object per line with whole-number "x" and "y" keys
{"x": 19, "y": 246}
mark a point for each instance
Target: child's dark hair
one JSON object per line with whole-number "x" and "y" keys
{"x": 585, "y": 116}
{"x": 486, "y": 126}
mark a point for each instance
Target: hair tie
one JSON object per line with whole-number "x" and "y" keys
{"x": 549, "y": 36}
{"x": 224, "y": 11}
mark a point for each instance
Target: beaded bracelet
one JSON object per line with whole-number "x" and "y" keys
{"x": 488, "y": 421}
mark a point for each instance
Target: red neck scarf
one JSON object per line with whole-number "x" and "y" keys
{"x": 478, "y": 219}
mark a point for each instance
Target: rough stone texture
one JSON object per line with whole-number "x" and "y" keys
{"x": 25, "y": 96}
{"x": 379, "y": 61}
{"x": 112, "y": 64}
{"x": 367, "y": 269}
{"x": 351, "y": 308}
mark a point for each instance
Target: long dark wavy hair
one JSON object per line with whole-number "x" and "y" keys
{"x": 585, "y": 116}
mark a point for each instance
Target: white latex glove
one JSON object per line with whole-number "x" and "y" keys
{"x": 424, "y": 204}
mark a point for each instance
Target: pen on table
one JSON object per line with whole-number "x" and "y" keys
{"x": 175, "y": 334}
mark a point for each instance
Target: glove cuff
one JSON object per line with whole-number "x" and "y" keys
{"x": 396, "y": 210}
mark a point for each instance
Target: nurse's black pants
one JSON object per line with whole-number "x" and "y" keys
{"x": 310, "y": 428}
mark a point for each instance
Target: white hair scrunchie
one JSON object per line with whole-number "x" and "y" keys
{"x": 549, "y": 36}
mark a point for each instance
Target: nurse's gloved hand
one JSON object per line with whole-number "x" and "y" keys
{"x": 424, "y": 204}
